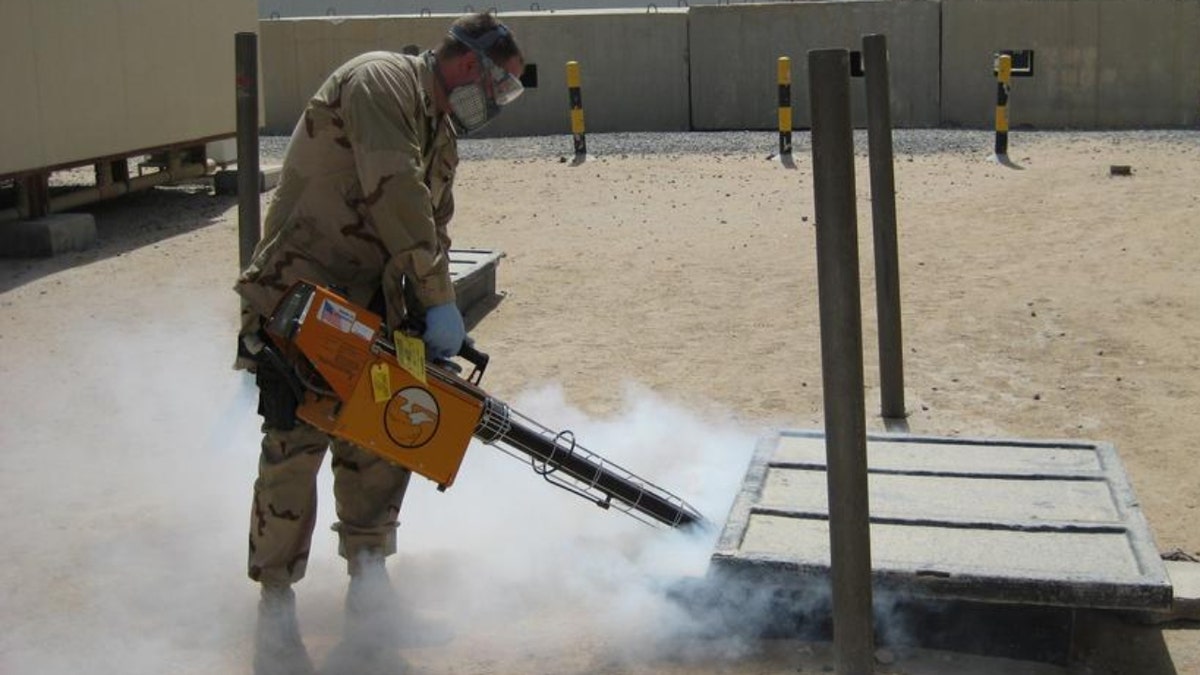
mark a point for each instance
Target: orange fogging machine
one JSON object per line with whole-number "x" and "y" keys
{"x": 357, "y": 382}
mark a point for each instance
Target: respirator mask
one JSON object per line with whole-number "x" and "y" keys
{"x": 473, "y": 105}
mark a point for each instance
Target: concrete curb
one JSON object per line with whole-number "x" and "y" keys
{"x": 226, "y": 182}
{"x": 48, "y": 236}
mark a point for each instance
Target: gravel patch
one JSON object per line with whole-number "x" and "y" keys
{"x": 905, "y": 142}
{"x": 765, "y": 143}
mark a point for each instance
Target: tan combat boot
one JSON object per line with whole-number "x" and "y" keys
{"x": 278, "y": 648}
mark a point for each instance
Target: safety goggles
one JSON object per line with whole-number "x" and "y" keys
{"x": 505, "y": 87}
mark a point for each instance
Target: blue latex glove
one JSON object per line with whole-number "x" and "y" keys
{"x": 444, "y": 331}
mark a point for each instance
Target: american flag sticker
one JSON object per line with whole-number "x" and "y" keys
{"x": 341, "y": 318}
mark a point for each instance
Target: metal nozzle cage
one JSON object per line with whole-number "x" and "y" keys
{"x": 563, "y": 462}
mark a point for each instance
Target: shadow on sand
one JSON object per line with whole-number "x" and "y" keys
{"x": 127, "y": 223}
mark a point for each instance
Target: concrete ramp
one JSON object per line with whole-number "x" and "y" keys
{"x": 1052, "y": 523}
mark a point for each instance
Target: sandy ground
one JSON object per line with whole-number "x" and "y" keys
{"x": 665, "y": 309}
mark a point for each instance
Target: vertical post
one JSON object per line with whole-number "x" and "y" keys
{"x": 883, "y": 217}
{"x": 248, "y": 184}
{"x": 120, "y": 170}
{"x": 33, "y": 195}
{"x": 576, "y": 97}
{"x": 104, "y": 176}
{"x": 785, "y": 106}
{"x": 842, "y": 359}
{"x": 1003, "y": 83}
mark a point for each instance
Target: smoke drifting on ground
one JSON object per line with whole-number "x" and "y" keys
{"x": 124, "y": 481}
{"x": 503, "y": 550}
{"x": 128, "y": 493}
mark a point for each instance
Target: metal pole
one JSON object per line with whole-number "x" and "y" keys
{"x": 1003, "y": 83}
{"x": 249, "y": 224}
{"x": 575, "y": 95}
{"x": 842, "y": 359}
{"x": 784, "y": 75}
{"x": 883, "y": 217}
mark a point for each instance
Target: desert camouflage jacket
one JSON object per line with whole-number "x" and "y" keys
{"x": 365, "y": 195}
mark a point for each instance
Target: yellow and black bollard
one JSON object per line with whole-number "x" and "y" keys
{"x": 1003, "y": 83}
{"x": 576, "y": 97}
{"x": 785, "y": 106}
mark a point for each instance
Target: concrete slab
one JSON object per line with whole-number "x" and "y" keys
{"x": 994, "y": 521}
{"x": 225, "y": 182}
{"x": 48, "y": 236}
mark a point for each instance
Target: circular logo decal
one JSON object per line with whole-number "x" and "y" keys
{"x": 411, "y": 417}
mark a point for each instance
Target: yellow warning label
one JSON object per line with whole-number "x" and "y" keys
{"x": 410, "y": 354}
{"x": 381, "y": 382}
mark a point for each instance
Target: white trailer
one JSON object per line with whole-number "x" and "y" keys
{"x": 95, "y": 82}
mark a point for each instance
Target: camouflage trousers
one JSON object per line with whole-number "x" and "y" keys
{"x": 368, "y": 491}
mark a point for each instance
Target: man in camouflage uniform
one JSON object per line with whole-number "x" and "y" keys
{"x": 362, "y": 206}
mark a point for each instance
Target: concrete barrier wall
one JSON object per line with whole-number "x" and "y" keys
{"x": 309, "y": 8}
{"x": 296, "y": 8}
{"x": 633, "y": 66}
{"x": 1097, "y": 63}
{"x": 734, "y": 50}
{"x": 642, "y": 84}
{"x": 84, "y": 79}
{"x": 297, "y": 55}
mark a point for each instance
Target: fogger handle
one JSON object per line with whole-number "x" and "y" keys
{"x": 477, "y": 359}
{"x": 414, "y": 325}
